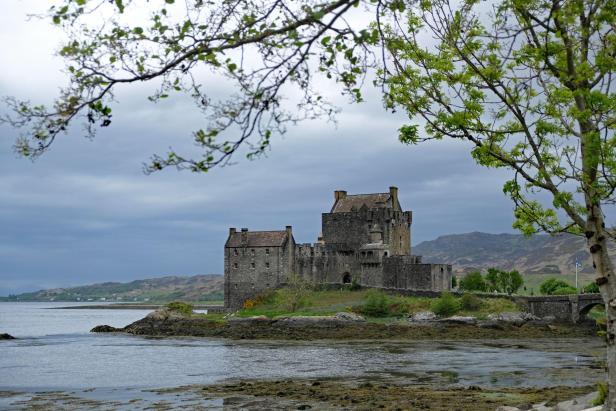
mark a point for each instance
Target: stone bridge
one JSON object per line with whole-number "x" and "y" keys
{"x": 570, "y": 308}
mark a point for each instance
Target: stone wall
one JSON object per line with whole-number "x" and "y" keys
{"x": 402, "y": 272}
{"x": 250, "y": 271}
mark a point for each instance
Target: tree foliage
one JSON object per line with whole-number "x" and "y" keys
{"x": 473, "y": 282}
{"x": 555, "y": 286}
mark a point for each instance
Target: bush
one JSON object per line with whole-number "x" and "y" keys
{"x": 550, "y": 286}
{"x": 591, "y": 288}
{"x": 470, "y": 302}
{"x": 180, "y": 307}
{"x": 295, "y": 295}
{"x": 355, "y": 285}
{"x": 473, "y": 282}
{"x": 601, "y": 394}
{"x": 377, "y": 304}
{"x": 565, "y": 290}
{"x": 445, "y": 306}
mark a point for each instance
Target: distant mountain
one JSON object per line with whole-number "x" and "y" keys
{"x": 207, "y": 287}
{"x": 540, "y": 254}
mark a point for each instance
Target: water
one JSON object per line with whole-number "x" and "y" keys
{"x": 55, "y": 351}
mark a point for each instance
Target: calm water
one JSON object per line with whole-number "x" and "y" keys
{"x": 55, "y": 351}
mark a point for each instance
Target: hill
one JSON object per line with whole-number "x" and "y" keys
{"x": 208, "y": 287}
{"x": 540, "y": 254}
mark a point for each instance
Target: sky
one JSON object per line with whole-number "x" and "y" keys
{"x": 85, "y": 212}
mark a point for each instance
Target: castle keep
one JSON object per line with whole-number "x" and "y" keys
{"x": 365, "y": 238}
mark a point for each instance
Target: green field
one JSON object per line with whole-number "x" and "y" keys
{"x": 395, "y": 307}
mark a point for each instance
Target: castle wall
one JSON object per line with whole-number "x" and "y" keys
{"x": 351, "y": 230}
{"x": 402, "y": 272}
{"x": 250, "y": 271}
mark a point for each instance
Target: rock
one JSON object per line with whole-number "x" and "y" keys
{"x": 254, "y": 318}
{"x": 513, "y": 318}
{"x": 346, "y": 316}
{"x": 105, "y": 329}
{"x": 577, "y": 404}
{"x": 457, "y": 319}
{"x": 164, "y": 314}
{"x": 423, "y": 316}
{"x": 5, "y": 336}
{"x": 491, "y": 324}
{"x": 507, "y": 408}
{"x": 548, "y": 319}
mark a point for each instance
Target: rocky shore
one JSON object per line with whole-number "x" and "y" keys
{"x": 346, "y": 325}
{"x": 5, "y": 336}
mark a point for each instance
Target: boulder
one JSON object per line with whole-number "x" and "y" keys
{"x": 163, "y": 314}
{"x": 5, "y": 336}
{"x": 105, "y": 329}
{"x": 583, "y": 402}
{"x": 514, "y": 318}
{"x": 423, "y": 316}
{"x": 458, "y": 319}
{"x": 346, "y": 316}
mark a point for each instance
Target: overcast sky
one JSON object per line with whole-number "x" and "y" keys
{"x": 86, "y": 213}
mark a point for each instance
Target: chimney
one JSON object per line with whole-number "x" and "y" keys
{"x": 393, "y": 193}
{"x": 339, "y": 194}
{"x": 244, "y": 230}
{"x": 231, "y": 231}
{"x": 244, "y": 238}
{"x": 290, "y": 251}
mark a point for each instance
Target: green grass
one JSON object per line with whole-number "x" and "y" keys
{"x": 398, "y": 307}
{"x": 532, "y": 282}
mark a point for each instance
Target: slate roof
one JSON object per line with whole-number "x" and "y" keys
{"x": 346, "y": 204}
{"x": 258, "y": 239}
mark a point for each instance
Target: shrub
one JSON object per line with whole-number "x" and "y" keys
{"x": 445, "y": 306}
{"x": 565, "y": 290}
{"x": 551, "y": 285}
{"x": 355, "y": 285}
{"x": 473, "y": 282}
{"x": 180, "y": 307}
{"x": 377, "y": 304}
{"x": 470, "y": 302}
{"x": 591, "y": 288}
{"x": 601, "y": 394}
{"x": 295, "y": 295}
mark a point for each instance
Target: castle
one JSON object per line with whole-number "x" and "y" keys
{"x": 366, "y": 238}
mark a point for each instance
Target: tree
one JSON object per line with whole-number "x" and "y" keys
{"x": 527, "y": 83}
{"x": 473, "y": 282}
{"x": 555, "y": 286}
{"x": 510, "y": 281}
{"x": 492, "y": 280}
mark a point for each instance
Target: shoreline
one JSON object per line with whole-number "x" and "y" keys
{"x": 169, "y": 324}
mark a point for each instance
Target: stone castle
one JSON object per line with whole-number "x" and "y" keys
{"x": 366, "y": 238}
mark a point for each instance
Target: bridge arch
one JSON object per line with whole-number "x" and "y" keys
{"x": 585, "y": 309}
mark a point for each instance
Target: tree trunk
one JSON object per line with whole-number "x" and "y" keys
{"x": 604, "y": 269}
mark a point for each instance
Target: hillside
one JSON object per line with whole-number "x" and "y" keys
{"x": 207, "y": 287}
{"x": 540, "y": 254}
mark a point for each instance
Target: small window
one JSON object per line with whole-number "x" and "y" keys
{"x": 267, "y": 251}
{"x": 252, "y": 265}
{"x": 267, "y": 266}
{"x": 252, "y": 252}
{"x": 234, "y": 265}
{"x": 235, "y": 251}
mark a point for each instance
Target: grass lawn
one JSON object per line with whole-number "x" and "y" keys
{"x": 393, "y": 307}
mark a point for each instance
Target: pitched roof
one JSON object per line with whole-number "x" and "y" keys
{"x": 257, "y": 239}
{"x": 376, "y": 200}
